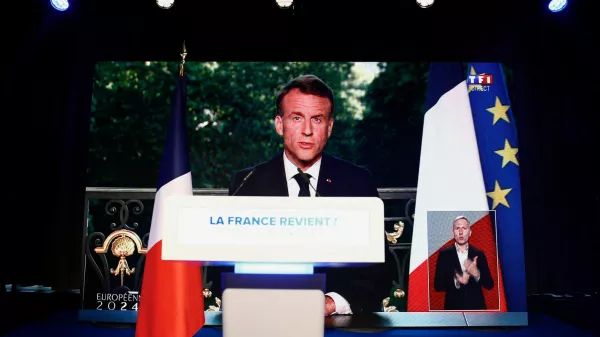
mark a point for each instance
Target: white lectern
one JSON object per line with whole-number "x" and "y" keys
{"x": 274, "y": 235}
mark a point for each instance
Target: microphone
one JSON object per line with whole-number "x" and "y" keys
{"x": 244, "y": 180}
{"x": 307, "y": 180}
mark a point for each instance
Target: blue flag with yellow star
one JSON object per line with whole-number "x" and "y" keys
{"x": 496, "y": 133}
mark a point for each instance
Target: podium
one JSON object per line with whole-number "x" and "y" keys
{"x": 274, "y": 244}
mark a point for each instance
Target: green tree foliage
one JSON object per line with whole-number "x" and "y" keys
{"x": 231, "y": 107}
{"x": 392, "y": 124}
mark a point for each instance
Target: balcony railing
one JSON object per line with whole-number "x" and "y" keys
{"x": 388, "y": 193}
{"x": 117, "y": 224}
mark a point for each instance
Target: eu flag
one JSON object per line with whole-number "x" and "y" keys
{"x": 496, "y": 133}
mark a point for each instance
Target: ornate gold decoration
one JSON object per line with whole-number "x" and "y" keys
{"x": 183, "y": 55}
{"x": 132, "y": 235}
{"x": 399, "y": 293}
{"x": 123, "y": 244}
{"x": 122, "y": 247}
{"x": 214, "y": 308}
{"x": 387, "y": 307}
{"x": 207, "y": 293}
{"x": 398, "y": 230}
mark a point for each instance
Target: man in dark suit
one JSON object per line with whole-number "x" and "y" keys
{"x": 305, "y": 121}
{"x": 462, "y": 270}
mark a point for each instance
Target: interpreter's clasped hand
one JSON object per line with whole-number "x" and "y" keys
{"x": 471, "y": 267}
{"x": 462, "y": 279}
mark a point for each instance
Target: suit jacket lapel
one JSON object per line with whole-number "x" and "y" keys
{"x": 471, "y": 254}
{"x": 324, "y": 184}
{"x": 276, "y": 171}
{"x": 457, "y": 265}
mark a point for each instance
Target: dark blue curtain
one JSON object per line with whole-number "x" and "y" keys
{"x": 46, "y": 111}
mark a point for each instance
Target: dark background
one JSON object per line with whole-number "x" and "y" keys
{"x": 47, "y": 86}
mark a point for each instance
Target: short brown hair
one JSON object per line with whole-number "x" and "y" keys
{"x": 309, "y": 85}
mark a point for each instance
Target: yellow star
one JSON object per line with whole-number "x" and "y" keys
{"x": 499, "y": 111}
{"x": 508, "y": 154}
{"x": 474, "y": 86}
{"x": 498, "y": 195}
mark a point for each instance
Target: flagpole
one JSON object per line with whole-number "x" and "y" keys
{"x": 183, "y": 55}
{"x": 165, "y": 309}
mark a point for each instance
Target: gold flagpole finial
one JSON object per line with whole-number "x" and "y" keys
{"x": 183, "y": 55}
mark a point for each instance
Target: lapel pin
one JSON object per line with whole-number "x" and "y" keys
{"x": 328, "y": 180}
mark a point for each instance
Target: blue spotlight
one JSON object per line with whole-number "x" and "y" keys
{"x": 60, "y": 5}
{"x": 557, "y": 5}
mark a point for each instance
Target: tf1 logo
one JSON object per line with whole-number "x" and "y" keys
{"x": 480, "y": 80}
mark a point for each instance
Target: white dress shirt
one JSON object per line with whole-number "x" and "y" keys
{"x": 462, "y": 257}
{"x": 342, "y": 307}
{"x": 291, "y": 170}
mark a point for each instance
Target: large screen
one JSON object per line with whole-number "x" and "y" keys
{"x": 435, "y": 141}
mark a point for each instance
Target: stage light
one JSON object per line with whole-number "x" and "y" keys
{"x": 557, "y": 5}
{"x": 425, "y": 3}
{"x": 284, "y": 3}
{"x": 165, "y": 4}
{"x": 60, "y": 5}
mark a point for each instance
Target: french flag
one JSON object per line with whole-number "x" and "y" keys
{"x": 171, "y": 299}
{"x": 468, "y": 166}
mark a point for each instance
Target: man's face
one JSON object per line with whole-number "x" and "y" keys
{"x": 305, "y": 126}
{"x": 461, "y": 231}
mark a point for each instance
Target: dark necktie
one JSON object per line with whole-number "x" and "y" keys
{"x": 304, "y": 192}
